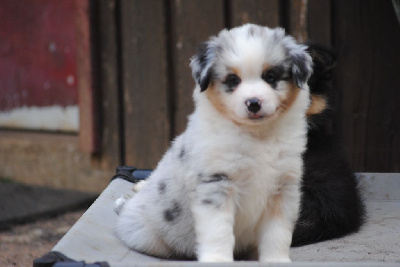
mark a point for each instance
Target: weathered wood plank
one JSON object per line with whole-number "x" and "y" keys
{"x": 88, "y": 137}
{"x": 297, "y": 24}
{"x": 367, "y": 37}
{"x": 319, "y": 20}
{"x": 144, "y": 54}
{"x": 109, "y": 84}
{"x": 266, "y": 13}
{"x": 192, "y": 22}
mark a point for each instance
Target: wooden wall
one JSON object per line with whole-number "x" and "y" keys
{"x": 366, "y": 35}
{"x": 143, "y": 49}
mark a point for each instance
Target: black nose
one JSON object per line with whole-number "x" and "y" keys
{"x": 253, "y": 104}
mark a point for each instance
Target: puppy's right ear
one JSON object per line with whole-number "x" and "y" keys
{"x": 323, "y": 58}
{"x": 202, "y": 64}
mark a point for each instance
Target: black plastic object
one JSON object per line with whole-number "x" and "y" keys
{"x": 131, "y": 174}
{"x": 57, "y": 259}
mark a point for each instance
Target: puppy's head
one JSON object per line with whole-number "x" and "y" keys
{"x": 251, "y": 74}
{"x": 320, "y": 112}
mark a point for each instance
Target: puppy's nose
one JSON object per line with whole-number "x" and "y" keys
{"x": 253, "y": 104}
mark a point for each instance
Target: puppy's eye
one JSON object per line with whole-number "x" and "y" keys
{"x": 270, "y": 77}
{"x": 232, "y": 80}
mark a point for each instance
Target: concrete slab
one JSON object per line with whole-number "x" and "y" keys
{"x": 377, "y": 244}
{"x": 378, "y": 240}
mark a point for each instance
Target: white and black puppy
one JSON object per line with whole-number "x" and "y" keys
{"x": 230, "y": 182}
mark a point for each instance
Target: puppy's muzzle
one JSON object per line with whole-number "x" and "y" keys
{"x": 253, "y": 105}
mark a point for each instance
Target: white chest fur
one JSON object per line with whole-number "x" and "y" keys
{"x": 259, "y": 167}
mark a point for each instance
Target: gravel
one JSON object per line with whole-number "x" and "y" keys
{"x": 20, "y": 244}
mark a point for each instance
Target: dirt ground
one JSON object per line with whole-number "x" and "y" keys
{"x": 23, "y": 243}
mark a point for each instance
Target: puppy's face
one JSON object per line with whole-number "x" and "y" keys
{"x": 251, "y": 74}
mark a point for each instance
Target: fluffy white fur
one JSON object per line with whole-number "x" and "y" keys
{"x": 230, "y": 182}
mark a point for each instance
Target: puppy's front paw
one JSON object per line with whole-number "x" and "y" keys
{"x": 215, "y": 258}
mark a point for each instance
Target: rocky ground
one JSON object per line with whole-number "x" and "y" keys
{"x": 21, "y": 244}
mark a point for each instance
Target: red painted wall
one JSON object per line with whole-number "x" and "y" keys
{"x": 37, "y": 53}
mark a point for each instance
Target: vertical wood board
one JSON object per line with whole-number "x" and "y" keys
{"x": 88, "y": 136}
{"x": 144, "y": 79}
{"x": 109, "y": 84}
{"x": 193, "y": 22}
{"x": 298, "y": 19}
{"x": 319, "y": 22}
{"x": 367, "y": 37}
{"x": 265, "y": 13}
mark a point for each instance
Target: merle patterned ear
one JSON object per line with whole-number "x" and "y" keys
{"x": 299, "y": 60}
{"x": 202, "y": 64}
{"x": 301, "y": 66}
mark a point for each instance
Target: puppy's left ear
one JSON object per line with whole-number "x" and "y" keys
{"x": 202, "y": 64}
{"x": 302, "y": 65}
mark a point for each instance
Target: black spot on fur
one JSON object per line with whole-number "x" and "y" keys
{"x": 182, "y": 153}
{"x": 173, "y": 213}
{"x": 217, "y": 177}
{"x": 251, "y": 32}
{"x": 162, "y": 186}
{"x": 207, "y": 201}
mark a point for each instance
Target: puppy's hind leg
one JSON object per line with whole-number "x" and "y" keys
{"x": 213, "y": 211}
{"x": 136, "y": 232}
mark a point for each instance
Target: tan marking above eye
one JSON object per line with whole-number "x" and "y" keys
{"x": 235, "y": 71}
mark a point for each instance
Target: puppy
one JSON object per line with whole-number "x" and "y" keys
{"x": 230, "y": 182}
{"x": 331, "y": 203}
